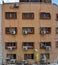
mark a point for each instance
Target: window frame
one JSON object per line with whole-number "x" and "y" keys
{"x": 7, "y": 30}
{"x": 11, "y": 55}
{"x": 28, "y": 56}
{"x": 10, "y": 15}
{"x": 26, "y": 29}
{"x": 56, "y": 30}
{"x": 56, "y": 44}
{"x": 30, "y": 1}
{"x": 10, "y": 44}
{"x": 44, "y": 45}
{"x": 30, "y": 45}
{"x": 45, "y": 15}
{"x": 56, "y": 17}
{"x": 46, "y": 29}
{"x": 46, "y": 54}
{"x": 28, "y": 15}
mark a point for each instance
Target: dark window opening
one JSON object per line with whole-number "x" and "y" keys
{"x": 28, "y": 30}
{"x": 45, "y": 30}
{"x": 40, "y": 0}
{"x": 27, "y": 15}
{"x": 31, "y": 1}
{"x": 44, "y": 57}
{"x": 11, "y": 56}
{"x": 10, "y": 15}
{"x": 29, "y": 45}
{"x": 46, "y": 54}
{"x": 35, "y": 0}
{"x": 57, "y": 44}
{"x": 45, "y": 15}
{"x": 43, "y": 45}
{"x": 10, "y": 44}
{"x": 11, "y": 30}
{"x": 24, "y": 0}
{"x": 49, "y": 1}
{"x": 57, "y": 30}
{"x": 57, "y": 17}
{"x": 28, "y": 56}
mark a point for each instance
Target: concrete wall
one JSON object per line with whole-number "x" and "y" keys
{"x": 1, "y": 53}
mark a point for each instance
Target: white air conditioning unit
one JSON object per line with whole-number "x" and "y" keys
{"x": 43, "y": 32}
{"x": 10, "y": 48}
{"x": 13, "y": 60}
{"x": 48, "y": 48}
{"x": 16, "y": 5}
{"x": 42, "y": 44}
{"x": 25, "y": 48}
{"x": 25, "y": 32}
{"x": 13, "y": 32}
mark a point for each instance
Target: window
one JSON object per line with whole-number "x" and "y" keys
{"x": 45, "y": 30}
{"x": 56, "y": 44}
{"x": 28, "y": 56}
{"x": 43, "y": 45}
{"x": 28, "y": 30}
{"x": 11, "y": 56}
{"x": 35, "y": 0}
{"x": 24, "y": 0}
{"x": 44, "y": 15}
{"x": 27, "y": 15}
{"x": 11, "y": 30}
{"x": 29, "y": 0}
{"x": 57, "y": 17}
{"x": 10, "y": 44}
{"x": 57, "y": 30}
{"x": 46, "y": 54}
{"x": 30, "y": 45}
{"x": 40, "y": 0}
{"x": 10, "y": 15}
{"x": 44, "y": 57}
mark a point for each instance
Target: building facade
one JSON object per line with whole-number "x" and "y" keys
{"x": 1, "y": 49}
{"x": 30, "y": 31}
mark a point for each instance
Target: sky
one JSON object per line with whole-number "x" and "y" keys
{"x": 54, "y": 1}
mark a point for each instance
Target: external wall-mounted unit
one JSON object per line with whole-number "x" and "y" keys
{"x": 13, "y": 60}
{"x": 25, "y": 32}
{"x": 10, "y": 48}
{"x": 25, "y": 48}
{"x": 13, "y": 32}
{"x": 48, "y": 48}
{"x": 16, "y": 5}
{"x": 43, "y": 32}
